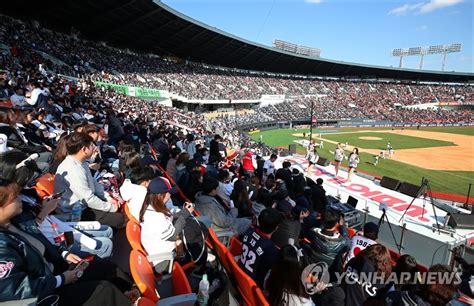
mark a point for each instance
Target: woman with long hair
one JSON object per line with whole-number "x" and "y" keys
{"x": 59, "y": 154}
{"x": 284, "y": 285}
{"x": 240, "y": 198}
{"x": 354, "y": 160}
{"x": 375, "y": 259}
{"x": 160, "y": 229}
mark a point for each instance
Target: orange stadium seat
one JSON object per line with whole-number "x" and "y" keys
{"x": 129, "y": 215}
{"x": 133, "y": 233}
{"x": 142, "y": 274}
{"x": 220, "y": 250}
{"x": 245, "y": 285}
{"x": 235, "y": 247}
{"x": 260, "y": 297}
{"x": 180, "y": 281}
{"x": 143, "y": 301}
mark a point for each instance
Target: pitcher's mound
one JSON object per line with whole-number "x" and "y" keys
{"x": 370, "y": 138}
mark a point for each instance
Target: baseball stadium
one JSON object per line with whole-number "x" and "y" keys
{"x": 149, "y": 158}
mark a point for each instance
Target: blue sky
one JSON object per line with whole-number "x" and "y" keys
{"x": 353, "y": 31}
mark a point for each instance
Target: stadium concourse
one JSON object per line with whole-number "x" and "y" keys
{"x": 82, "y": 167}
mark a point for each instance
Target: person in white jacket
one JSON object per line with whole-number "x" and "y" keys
{"x": 160, "y": 228}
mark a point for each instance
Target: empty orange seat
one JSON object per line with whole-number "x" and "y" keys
{"x": 245, "y": 284}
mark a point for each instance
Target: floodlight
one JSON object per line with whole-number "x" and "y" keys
{"x": 435, "y": 49}
{"x": 293, "y": 48}
{"x": 414, "y": 51}
{"x": 454, "y": 48}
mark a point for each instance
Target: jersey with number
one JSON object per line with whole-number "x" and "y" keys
{"x": 358, "y": 243}
{"x": 258, "y": 255}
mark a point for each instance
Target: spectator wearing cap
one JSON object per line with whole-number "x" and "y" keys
{"x": 159, "y": 227}
{"x": 74, "y": 177}
{"x": 362, "y": 240}
{"x": 221, "y": 217}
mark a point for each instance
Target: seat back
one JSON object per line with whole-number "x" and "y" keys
{"x": 133, "y": 233}
{"x": 142, "y": 273}
{"x": 245, "y": 284}
{"x": 143, "y": 301}
{"x": 45, "y": 185}
{"x": 180, "y": 280}
{"x": 235, "y": 246}
{"x": 129, "y": 215}
{"x": 260, "y": 297}
{"x": 220, "y": 250}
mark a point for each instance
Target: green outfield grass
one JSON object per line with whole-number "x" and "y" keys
{"x": 443, "y": 181}
{"x": 397, "y": 141}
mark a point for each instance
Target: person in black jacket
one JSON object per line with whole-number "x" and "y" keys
{"x": 115, "y": 131}
{"x": 17, "y": 141}
{"x": 25, "y": 273}
{"x": 290, "y": 227}
{"x": 285, "y": 175}
{"x": 214, "y": 147}
{"x": 318, "y": 194}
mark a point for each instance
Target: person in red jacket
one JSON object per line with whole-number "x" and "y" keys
{"x": 247, "y": 164}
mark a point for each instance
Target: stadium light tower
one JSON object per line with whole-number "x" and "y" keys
{"x": 400, "y": 53}
{"x": 422, "y": 51}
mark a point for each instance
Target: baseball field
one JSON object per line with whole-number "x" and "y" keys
{"x": 443, "y": 155}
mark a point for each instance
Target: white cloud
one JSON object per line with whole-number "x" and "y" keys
{"x": 404, "y": 9}
{"x": 423, "y": 7}
{"x": 313, "y": 1}
{"x": 422, "y": 28}
{"x": 438, "y": 4}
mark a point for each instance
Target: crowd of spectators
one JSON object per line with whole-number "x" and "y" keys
{"x": 106, "y": 148}
{"x": 337, "y": 99}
